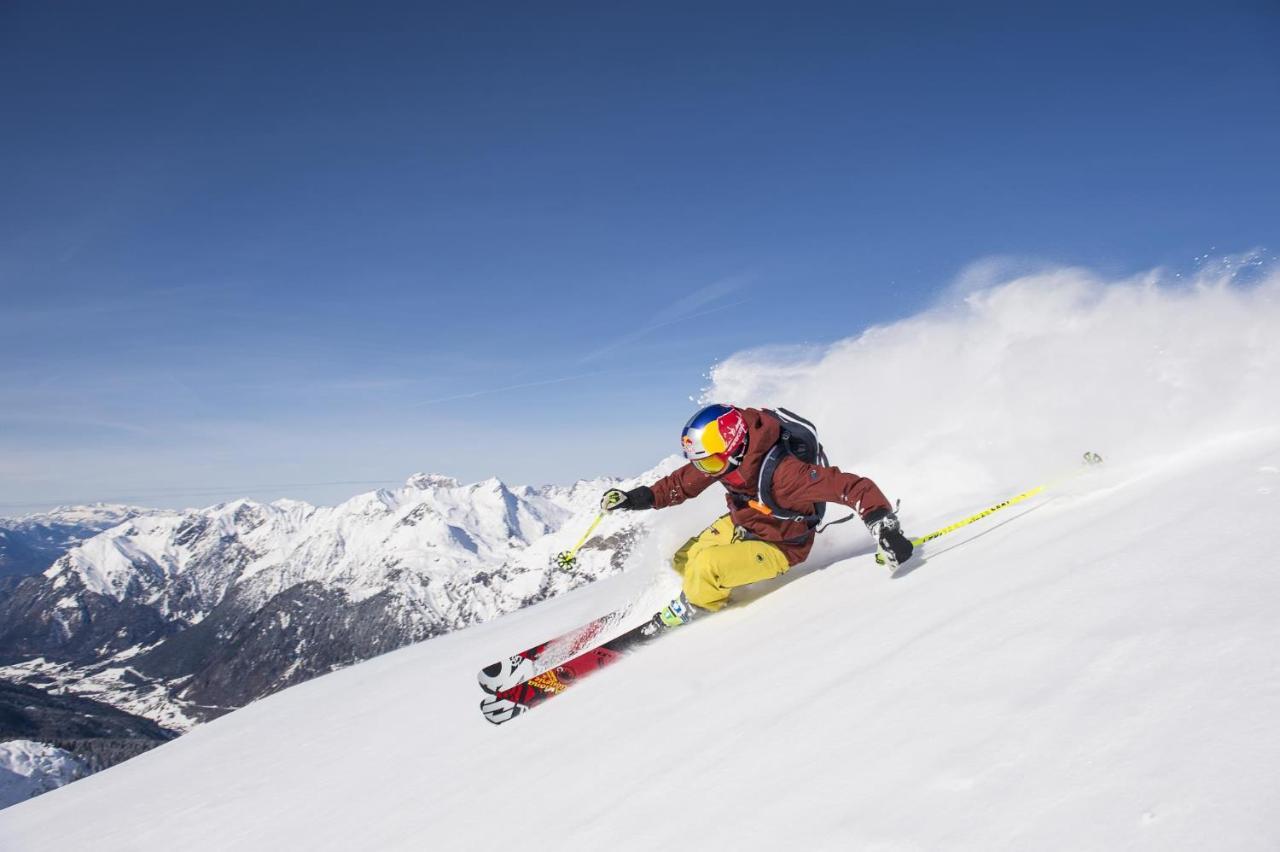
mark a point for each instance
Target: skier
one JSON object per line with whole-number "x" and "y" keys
{"x": 762, "y": 536}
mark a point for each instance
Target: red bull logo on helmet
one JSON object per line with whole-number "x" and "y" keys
{"x": 733, "y": 429}
{"x": 713, "y": 430}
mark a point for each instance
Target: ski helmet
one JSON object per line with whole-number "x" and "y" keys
{"x": 715, "y": 438}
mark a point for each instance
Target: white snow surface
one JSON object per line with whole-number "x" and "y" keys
{"x": 29, "y": 768}
{"x": 1098, "y": 668}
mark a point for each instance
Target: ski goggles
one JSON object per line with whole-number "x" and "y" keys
{"x": 712, "y": 464}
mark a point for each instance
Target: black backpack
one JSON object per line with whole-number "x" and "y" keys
{"x": 800, "y": 439}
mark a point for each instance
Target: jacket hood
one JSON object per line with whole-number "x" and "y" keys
{"x": 763, "y": 431}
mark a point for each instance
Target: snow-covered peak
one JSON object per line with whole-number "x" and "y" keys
{"x": 181, "y": 562}
{"x": 425, "y": 481}
{"x": 297, "y": 510}
{"x": 31, "y": 543}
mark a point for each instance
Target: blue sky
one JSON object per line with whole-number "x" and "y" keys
{"x": 249, "y": 248}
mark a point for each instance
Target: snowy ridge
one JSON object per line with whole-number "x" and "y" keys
{"x": 88, "y": 516}
{"x": 31, "y": 543}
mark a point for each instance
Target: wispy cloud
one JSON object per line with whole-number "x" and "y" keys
{"x": 705, "y": 301}
{"x": 522, "y": 385}
{"x": 78, "y": 422}
{"x": 693, "y": 306}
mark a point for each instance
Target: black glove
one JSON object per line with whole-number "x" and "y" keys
{"x": 883, "y": 525}
{"x": 636, "y": 498}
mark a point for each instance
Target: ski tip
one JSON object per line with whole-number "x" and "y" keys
{"x": 504, "y": 674}
{"x": 489, "y": 677}
{"x": 499, "y": 710}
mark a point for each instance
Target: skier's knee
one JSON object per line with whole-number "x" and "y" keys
{"x": 702, "y": 568}
{"x": 702, "y": 585}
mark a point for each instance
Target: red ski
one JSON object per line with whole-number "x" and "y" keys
{"x": 508, "y": 673}
{"x": 505, "y": 704}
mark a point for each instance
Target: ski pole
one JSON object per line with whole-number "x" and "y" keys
{"x": 1090, "y": 458}
{"x": 568, "y": 559}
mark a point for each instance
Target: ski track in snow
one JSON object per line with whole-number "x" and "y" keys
{"x": 1097, "y": 669}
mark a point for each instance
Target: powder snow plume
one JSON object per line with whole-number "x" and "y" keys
{"x": 1010, "y": 381}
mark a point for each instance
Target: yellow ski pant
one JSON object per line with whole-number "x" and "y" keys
{"x": 712, "y": 563}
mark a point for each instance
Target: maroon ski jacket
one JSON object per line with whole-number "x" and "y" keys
{"x": 796, "y": 486}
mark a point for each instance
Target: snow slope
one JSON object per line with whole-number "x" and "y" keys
{"x": 1100, "y": 673}
{"x": 1095, "y": 669}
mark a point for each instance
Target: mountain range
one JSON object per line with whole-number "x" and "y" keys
{"x": 30, "y": 544}
{"x": 182, "y": 616}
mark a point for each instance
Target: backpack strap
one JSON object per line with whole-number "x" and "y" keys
{"x": 765, "y": 502}
{"x": 764, "y": 489}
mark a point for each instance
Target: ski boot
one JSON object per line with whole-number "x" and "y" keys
{"x": 674, "y": 614}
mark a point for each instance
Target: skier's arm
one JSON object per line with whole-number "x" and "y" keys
{"x": 798, "y": 484}
{"x": 671, "y": 490}
{"x": 681, "y": 484}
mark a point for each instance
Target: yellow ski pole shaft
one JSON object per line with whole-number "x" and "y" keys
{"x": 977, "y": 516}
{"x": 1090, "y": 458}
{"x": 567, "y": 558}
{"x": 587, "y": 534}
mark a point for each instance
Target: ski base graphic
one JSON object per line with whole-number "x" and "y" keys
{"x": 507, "y": 673}
{"x": 506, "y": 704}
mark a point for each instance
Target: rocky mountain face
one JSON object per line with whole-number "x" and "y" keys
{"x": 183, "y": 616}
{"x": 30, "y": 544}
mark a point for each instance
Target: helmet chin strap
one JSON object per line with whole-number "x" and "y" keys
{"x": 736, "y": 458}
